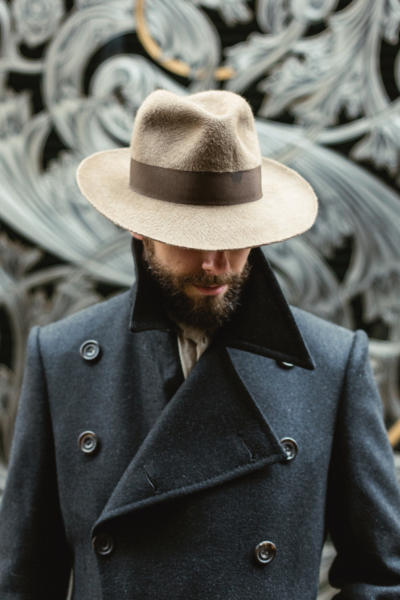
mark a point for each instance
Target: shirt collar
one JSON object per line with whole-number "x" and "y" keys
{"x": 263, "y": 323}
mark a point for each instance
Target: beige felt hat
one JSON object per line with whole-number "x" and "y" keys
{"x": 193, "y": 176}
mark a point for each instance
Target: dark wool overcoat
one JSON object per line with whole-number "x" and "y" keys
{"x": 222, "y": 486}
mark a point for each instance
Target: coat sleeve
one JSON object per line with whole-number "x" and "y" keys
{"x": 364, "y": 499}
{"x": 34, "y": 556}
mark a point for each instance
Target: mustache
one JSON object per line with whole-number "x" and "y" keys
{"x": 205, "y": 280}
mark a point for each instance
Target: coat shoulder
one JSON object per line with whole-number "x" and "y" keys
{"x": 325, "y": 341}
{"x": 109, "y": 315}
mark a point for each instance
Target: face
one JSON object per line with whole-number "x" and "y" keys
{"x": 201, "y": 287}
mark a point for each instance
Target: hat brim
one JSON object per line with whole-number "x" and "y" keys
{"x": 287, "y": 208}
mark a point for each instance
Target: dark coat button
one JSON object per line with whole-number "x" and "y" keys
{"x": 290, "y": 448}
{"x": 88, "y": 442}
{"x": 103, "y": 544}
{"x": 90, "y": 350}
{"x": 265, "y": 552}
{"x": 285, "y": 365}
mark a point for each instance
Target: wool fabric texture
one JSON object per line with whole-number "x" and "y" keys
{"x": 211, "y": 132}
{"x": 191, "y": 475}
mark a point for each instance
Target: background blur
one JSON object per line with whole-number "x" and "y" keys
{"x": 323, "y": 79}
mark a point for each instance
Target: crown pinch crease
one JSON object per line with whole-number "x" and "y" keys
{"x": 202, "y": 188}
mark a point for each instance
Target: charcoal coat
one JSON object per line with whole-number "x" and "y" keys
{"x": 175, "y": 484}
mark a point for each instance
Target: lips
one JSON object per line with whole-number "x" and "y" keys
{"x": 211, "y": 290}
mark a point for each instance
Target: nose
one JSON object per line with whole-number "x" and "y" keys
{"x": 215, "y": 262}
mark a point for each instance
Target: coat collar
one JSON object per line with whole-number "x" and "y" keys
{"x": 263, "y": 324}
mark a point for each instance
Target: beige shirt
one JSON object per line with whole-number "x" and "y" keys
{"x": 192, "y": 343}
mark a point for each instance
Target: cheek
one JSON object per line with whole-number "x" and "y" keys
{"x": 239, "y": 259}
{"x": 180, "y": 262}
{"x": 166, "y": 255}
{"x": 185, "y": 262}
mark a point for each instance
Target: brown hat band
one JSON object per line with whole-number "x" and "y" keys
{"x": 204, "y": 188}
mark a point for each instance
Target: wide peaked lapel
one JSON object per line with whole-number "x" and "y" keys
{"x": 211, "y": 431}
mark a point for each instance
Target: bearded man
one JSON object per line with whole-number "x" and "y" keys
{"x": 195, "y": 437}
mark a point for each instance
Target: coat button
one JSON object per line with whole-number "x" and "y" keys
{"x": 285, "y": 365}
{"x": 103, "y": 544}
{"x": 90, "y": 350}
{"x": 265, "y": 552}
{"x": 290, "y": 448}
{"x": 88, "y": 442}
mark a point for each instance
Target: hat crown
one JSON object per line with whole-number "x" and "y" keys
{"x": 210, "y": 131}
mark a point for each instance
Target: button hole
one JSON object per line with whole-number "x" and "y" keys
{"x": 249, "y": 450}
{"x": 151, "y": 481}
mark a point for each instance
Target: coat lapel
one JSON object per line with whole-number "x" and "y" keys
{"x": 264, "y": 324}
{"x": 211, "y": 431}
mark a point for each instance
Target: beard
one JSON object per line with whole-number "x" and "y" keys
{"x": 206, "y": 313}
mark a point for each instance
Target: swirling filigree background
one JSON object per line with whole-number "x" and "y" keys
{"x": 323, "y": 78}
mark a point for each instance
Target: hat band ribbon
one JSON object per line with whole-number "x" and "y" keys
{"x": 201, "y": 188}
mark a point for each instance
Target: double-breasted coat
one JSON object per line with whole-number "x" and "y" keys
{"x": 223, "y": 485}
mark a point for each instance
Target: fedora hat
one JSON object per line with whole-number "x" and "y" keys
{"x": 194, "y": 176}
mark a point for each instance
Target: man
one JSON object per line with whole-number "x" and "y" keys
{"x": 194, "y": 437}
